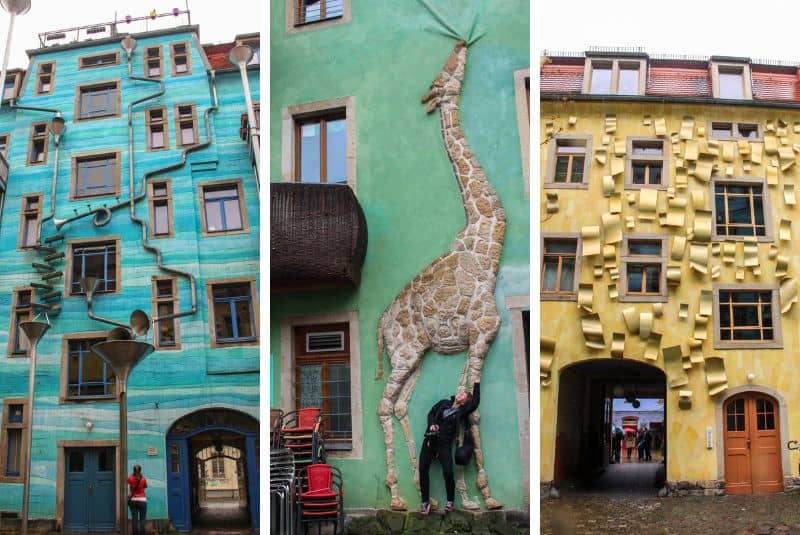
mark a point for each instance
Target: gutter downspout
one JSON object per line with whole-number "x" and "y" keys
{"x": 145, "y": 243}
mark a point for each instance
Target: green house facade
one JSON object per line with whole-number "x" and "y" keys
{"x": 363, "y": 198}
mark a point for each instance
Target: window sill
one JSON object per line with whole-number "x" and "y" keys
{"x": 747, "y": 344}
{"x": 95, "y": 118}
{"x": 221, "y": 344}
{"x": 11, "y": 479}
{"x": 759, "y": 239}
{"x": 558, "y": 297}
{"x": 631, "y": 186}
{"x": 89, "y": 400}
{"x": 211, "y": 234}
{"x": 642, "y": 298}
{"x": 320, "y": 21}
{"x": 566, "y": 185}
{"x": 175, "y": 347}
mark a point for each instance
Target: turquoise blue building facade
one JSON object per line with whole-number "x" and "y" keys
{"x": 194, "y": 182}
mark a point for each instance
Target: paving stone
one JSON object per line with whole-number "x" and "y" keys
{"x": 700, "y": 515}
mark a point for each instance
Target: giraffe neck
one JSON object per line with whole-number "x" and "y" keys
{"x": 481, "y": 203}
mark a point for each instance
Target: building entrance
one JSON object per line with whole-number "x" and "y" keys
{"x": 212, "y": 470}
{"x": 752, "y": 444}
{"x": 89, "y": 504}
{"x": 601, "y": 398}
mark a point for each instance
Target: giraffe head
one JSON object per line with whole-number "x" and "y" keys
{"x": 447, "y": 85}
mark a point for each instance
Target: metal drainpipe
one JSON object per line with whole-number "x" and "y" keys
{"x": 130, "y": 203}
{"x": 255, "y": 136}
{"x": 206, "y": 115}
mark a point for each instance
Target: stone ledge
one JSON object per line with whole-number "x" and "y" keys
{"x": 387, "y": 522}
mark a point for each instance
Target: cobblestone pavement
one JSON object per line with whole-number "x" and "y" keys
{"x": 770, "y": 514}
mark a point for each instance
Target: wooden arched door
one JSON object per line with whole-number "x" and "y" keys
{"x": 752, "y": 444}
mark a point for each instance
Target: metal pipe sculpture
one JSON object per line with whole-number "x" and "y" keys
{"x": 450, "y": 306}
{"x": 103, "y": 214}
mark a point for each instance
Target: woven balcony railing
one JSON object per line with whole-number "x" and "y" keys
{"x": 318, "y": 237}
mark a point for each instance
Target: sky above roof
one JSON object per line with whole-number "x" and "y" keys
{"x": 218, "y": 22}
{"x": 685, "y": 27}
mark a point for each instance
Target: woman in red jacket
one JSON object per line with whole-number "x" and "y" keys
{"x": 137, "y": 501}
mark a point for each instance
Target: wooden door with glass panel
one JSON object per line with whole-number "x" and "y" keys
{"x": 752, "y": 445}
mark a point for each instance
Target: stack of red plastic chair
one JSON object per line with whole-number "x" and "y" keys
{"x": 301, "y": 433}
{"x": 321, "y": 498}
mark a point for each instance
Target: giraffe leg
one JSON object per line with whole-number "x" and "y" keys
{"x": 477, "y": 352}
{"x": 461, "y": 485}
{"x": 401, "y": 412}
{"x": 405, "y": 362}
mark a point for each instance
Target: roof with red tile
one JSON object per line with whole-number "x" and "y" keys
{"x": 678, "y": 81}
{"x": 218, "y": 55}
{"x": 675, "y": 77}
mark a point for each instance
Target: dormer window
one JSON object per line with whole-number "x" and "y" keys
{"x": 607, "y": 76}
{"x": 731, "y": 81}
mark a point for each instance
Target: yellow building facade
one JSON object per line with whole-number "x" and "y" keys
{"x": 668, "y": 270}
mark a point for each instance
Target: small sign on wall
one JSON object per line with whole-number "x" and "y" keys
{"x": 709, "y": 438}
{"x": 152, "y": 452}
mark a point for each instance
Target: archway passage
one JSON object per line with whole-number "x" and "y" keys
{"x": 212, "y": 471}
{"x": 752, "y": 444}
{"x": 601, "y": 398}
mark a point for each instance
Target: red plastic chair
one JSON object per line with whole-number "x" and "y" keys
{"x": 304, "y": 420}
{"x": 322, "y": 499}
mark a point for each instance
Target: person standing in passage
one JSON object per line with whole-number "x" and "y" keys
{"x": 443, "y": 420}
{"x": 640, "y": 445}
{"x": 137, "y": 501}
{"x": 648, "y": 443}
{"x": 630, "y": 442}
{"x": 616, "y": 444}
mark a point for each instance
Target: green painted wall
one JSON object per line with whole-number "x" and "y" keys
{"x": 386, "y": 57}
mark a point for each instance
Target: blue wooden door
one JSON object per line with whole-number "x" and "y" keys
{"x": 89, "y": 493}
{"x": 252, "y": 458}
{"x": 178, "y": 484}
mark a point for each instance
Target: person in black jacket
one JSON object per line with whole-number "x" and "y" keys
{"x": 443, "y": 420}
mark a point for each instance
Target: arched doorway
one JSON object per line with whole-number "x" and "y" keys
{"x": 596, "y": 397}
{"x": 753, "y": 456}
{"x": 212, "y": 470}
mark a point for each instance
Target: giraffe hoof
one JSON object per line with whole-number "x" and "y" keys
{"x": 493, "y": 504}
{"x": 398, "y": 504}
{"x": 469, "y": 505}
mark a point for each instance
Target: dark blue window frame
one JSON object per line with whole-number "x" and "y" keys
{"x": 219, "y": 202}
{"x": 107, "y": 164}
{"x": 231, "y": 302}
{"x": 83, "y": 349}
{"x": 106, "y": 281}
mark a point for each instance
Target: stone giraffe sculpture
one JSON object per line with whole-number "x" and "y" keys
{"x": 450, "y": 306}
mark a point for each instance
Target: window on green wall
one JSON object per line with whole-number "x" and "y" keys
{"x": 94, "y": 259}
{"x": 88, "y": 376}
{"x": 234, "y": 320}
{"x": 22, "y": 310}
{"x": 97, "y": 100}
{"x": 165, "y": 302}
{"x": 321, "y": 149}
{"x": 322, "y": 378}
{"x": 307, "y": 11}
{"x": 152, "y": 61}
{"x": 95, "y": 175}
{"x": 15, "y": 420}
